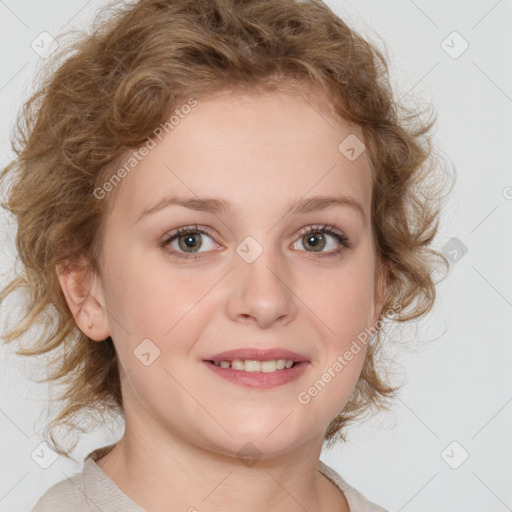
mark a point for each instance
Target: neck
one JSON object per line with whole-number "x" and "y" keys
{"x": 155, "y": 474}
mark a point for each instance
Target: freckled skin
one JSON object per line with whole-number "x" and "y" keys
{"x": 184, "y": 424}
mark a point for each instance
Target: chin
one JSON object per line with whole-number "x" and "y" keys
{"x": 260, "y": 445}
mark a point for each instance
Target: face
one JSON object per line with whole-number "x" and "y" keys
{"x": 263, "y": 274}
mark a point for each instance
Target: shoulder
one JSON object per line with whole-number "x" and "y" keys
{"x": 356, "y": 501}
{"x": 67, "y": 495}
{"x": 90, "y": 490}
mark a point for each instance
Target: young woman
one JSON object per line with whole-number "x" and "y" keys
{"x": 219, "y": 204}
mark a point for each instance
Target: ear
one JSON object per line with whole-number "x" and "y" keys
{"x": 84, "y": 295}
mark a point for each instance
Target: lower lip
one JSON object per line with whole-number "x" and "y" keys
{"x": 259, "y": 380}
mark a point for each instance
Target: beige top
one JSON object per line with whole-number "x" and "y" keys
{"x": 91, "y": 490}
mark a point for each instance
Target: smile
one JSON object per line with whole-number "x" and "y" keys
{"x": 258, "y": 374}
{"x": 252, "y": 365}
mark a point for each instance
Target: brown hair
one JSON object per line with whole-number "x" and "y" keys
{"x": 119, "y": 83}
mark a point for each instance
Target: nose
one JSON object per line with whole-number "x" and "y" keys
{"x": 261, "y": 292}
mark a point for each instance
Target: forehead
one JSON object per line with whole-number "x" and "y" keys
{"x": 255, "y": 149}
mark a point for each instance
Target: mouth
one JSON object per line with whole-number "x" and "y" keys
{"x": 258, "y": 355}
{"x": 253, "y": 365}
{"x": 256, "y": 368}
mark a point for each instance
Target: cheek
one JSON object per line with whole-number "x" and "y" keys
{"x": 154, "y": 299}
{"x": 344, "y": 312}
{"x": 344, "y": 302}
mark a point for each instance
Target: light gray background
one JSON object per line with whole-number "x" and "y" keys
{"x": 458, "y": 385}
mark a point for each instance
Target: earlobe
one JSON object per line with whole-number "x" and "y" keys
{"x": 84, "y": 297}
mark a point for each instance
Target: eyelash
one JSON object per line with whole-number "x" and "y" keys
{"x": 325, "y": 228}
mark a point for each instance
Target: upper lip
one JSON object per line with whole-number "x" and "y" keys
{"x": 257, "y": 354}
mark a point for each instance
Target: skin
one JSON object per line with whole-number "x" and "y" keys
{"x": 184, "y": 424}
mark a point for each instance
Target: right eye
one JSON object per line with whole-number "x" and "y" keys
{"x": 186, "y": 242}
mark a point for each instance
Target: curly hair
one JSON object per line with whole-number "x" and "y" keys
{"x": 108, "y": 92}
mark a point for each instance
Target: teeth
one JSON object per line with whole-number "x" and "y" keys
{"x": 268, "y": 366}
{"x": 250, "y": 365}
{"x": 236, "y": 364}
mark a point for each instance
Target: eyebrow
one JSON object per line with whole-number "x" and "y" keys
{"x": 222, "y": 206}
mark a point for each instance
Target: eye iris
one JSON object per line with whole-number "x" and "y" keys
{"x": 189, "y": 241}
{"x": 316, "y": 240}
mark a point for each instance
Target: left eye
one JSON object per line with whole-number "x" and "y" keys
{"x": 317, "y": 238}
